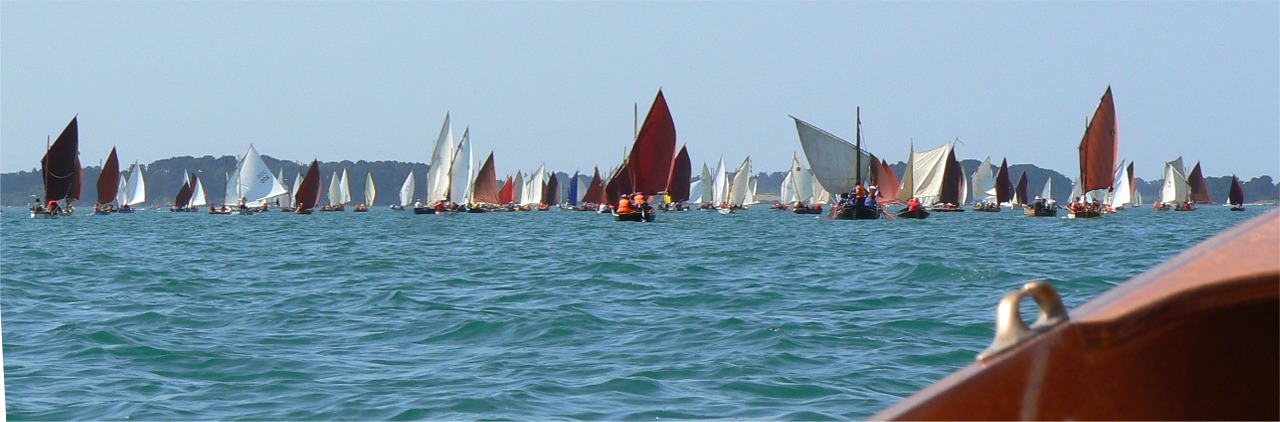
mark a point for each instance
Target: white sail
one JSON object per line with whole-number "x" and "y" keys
{"x": 787, "y": 194}
{"x": 286, "y": 200}
{"x": 831, "y": 159}
{"x": 906, "y": 190}
{"x": 1047, "y": 192}
{"x": 704, "y": 180}
{"x": 1120, "y": 197}
{"x": 984, "y": 182}
{"x": 137, "y": 187}
{"x": 297, "y": 181}
{"x": 1075, "y": 190}
{"x": 334, "y": 191}
{"x": 406, "y": 191}
{"x": 820, "y": 195}
{"x": 741, "y": 183}
{"x": 695, "y": 191}
{"x": 927, "y": 173}
{"x": 1175, "y": 187}
{"x": 752, "y": 184}
{"x": 197, "y": 194}
{"x": 802, "y": 181}
{"x": 344, "y": 188}
{"x": 370, "y": 192}
{"x": 720, "y": 184}
{"x": 253, "y": 181}
{"x": 533, "y": 186}
{"x": 964, "y": 188}
{"x": 122, "y": 191}
{"x": 517, "y": 189}
{"x": 461, "y": 171}
{"x": 438, "y": 183}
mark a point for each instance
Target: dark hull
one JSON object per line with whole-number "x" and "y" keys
{"x": 981, "y": 209}
{"x": 1084, "y": 214}
{"x": 1033, "y": 212}
{"x": 634, "y": 216}
{"x": 424, "y": 210}
{"x": 947, "y": 209}
{"x": 918, "y": 213}
{"x": 857, "y": 212}
{"x": 306, "y": 211}
{"x": 1238, "y": 208}
{"x": 476, "y": 210}
{"x": 807, "y": 210}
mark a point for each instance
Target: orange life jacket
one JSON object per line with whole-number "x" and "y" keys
{"x": 624, "y": 206}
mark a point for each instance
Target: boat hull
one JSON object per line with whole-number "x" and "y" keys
{"x": 421, "y": 210}
{"x": 919, "y": 213}
{"x": 634, "y": 216}
{"x": 1190, "y": 339}
{"x": 1083, "y": 214}
{"x": 1040, "y": 212}
{"x": 857, "y": 212}
{"x": 807, "y": 210}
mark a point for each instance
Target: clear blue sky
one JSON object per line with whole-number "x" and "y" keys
{"x": 555, "y": 82}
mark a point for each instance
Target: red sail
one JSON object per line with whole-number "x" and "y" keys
{"x": 1132, "y": 184}
{"x": 617, "y": 184}
{"x": 1020, "y": 192}
{"x": 308, "y": 193}
{"x": 551, "y": 191}
{"x": 1099, "y": 147}
{"x": 681, "y": 175}
{"x": 887, "y": 183}
{"x": 1004, "y": 187}
{"x": 109, "y": 179}
{"x": 1199, "y": 192}
{"x": 952, "y": 178}
{"x": 60, "y": 166}
{"x": 485, "y": 189}
{"x": 655, "y": 145}
{"x": 184, "y": 195}
{"x": 1236, "y": 195}
{"x": 506, "y": 195}
{"x": 595, "y": 191}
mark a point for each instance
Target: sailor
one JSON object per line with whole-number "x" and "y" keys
{"x": 913, "y": 204}
{"x": 624, "y": 205}
{"x": 871, "y": 197}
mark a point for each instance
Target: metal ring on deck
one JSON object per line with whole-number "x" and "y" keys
{"x": 1010, "y": 328}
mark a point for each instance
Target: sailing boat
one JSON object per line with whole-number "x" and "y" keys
{"x": 1199, "y": 194}
{"x": 484, "y": 192}
{"x": 370, "y": 193}
{"x": 1002, "y": 187}
{"x": 1098, "y": 150}
{"x": 307, "y": 194}
{"x": 61, "y": 172}
{"x": 1020, "y": 191}
{"x": 181, "y": 199}
{"x": 438, "y": 170}
{"x": 595, "y": 193}
{"x": 984, "y": 183}
{"x": 737, "y": 188}
{"x": 198, "y": 197}
{"x": 933, "y": 178}
{"x": 678, "y": 187}
{"x": 1044, "y": 205}
{"x": 649, "y": 164}
{"x": 108, "y": 184}
{"x": 251, "y": 182}
{"x": 829, "y": 158}
{"x": 406, "y": 193}
{"x": 135, "y": 190}
{"x": 460, "y": 172}
{"x": 1236, "y": 196}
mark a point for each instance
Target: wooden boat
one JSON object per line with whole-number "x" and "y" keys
{"x": 1195, "y": 181}
{"x": 986, "y": 207}
{"x": 647, "y": 169}
{"x": 830, "y": 158}
{"x": 307, "y": 194}
{"x": 108, "y": 183}
{"x": 678, "y": 185}
{"x": 1235, "y": 197}
{"x": 251, "y": 183}
{"x": 135, "y": 189}
{"x": 934, "y": 178}
{"x": 1020, "y": 192}
{"x": 370, "y": 194}
{"x": 438, "y": 172}
{"x": 61, "y": 172}
{"x": 485, "y": 189}
{"x": 406, "y": 193}
{"x": 918, "y": 213}
{"x": 1034, "y": 210}
{"x": 182, "y": 198}
{"x": 806, "y": 209}
{"x": 1098, "y": 149}
{"x": 1193, "y": 338}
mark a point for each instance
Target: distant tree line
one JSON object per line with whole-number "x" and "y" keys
{"x": 165, "y": 177}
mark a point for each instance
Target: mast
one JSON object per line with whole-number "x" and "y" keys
{"x": 857, "y": 179}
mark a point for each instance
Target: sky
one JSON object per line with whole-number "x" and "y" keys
{"x": 557, "y": 82}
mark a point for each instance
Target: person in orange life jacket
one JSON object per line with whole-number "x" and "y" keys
{"x": 624, "y": 205}
{"x": 913, "y": 204}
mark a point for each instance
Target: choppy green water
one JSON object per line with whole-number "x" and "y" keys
{"x": 533, "y": 315}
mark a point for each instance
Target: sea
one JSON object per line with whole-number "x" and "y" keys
{"x": 560, "y": 315}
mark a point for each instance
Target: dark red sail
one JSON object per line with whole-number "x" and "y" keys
{"x": 308, "y": 193}
{"x": 681, "y": 175}
{"x": 1020, "y": 192}
{"x": 551, "y": 191}
{"x": 1199, "y": 192}
{"x": 60, "y": 166}
{"x": 1236, "y": 195}
{"x": 1004, "y": 187}
{"x": 618, "y": 184}
{"x": 485, "y": 189}
{"x": 952, "y": 179}
{"x": 109, "y": 179}
{"x": 651, "y": 155}
{"x": 507, "y": 194}
{"x": 183, "y": 197}
{"x": 887, "y": 183}
{"x": 1132, "y": 184}
{"x": 1099, "y": 147}
{"x": 595, "y": 190}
